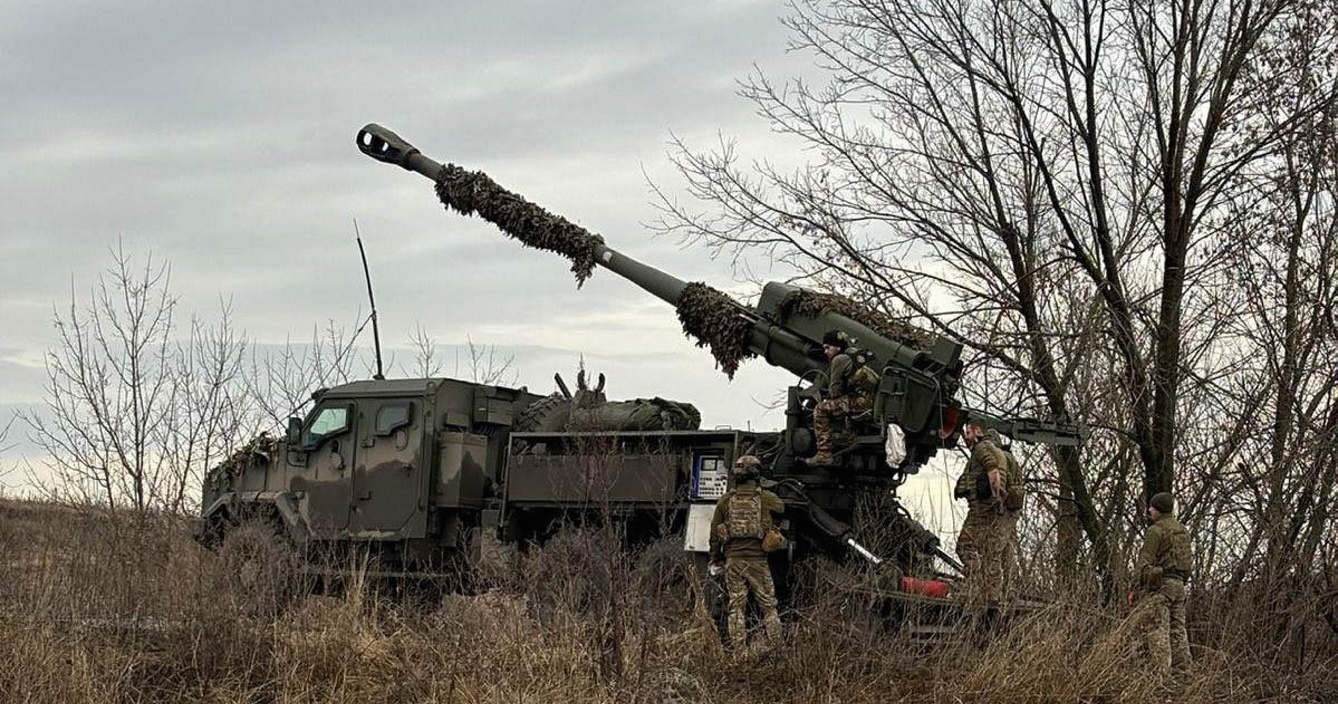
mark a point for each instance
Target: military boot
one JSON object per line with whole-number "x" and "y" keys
{"x": 822, "y": 459}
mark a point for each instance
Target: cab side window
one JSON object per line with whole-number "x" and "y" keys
{"x": 393, "y": 416}
{"x": 329, "y": 422}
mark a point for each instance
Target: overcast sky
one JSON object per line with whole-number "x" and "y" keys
{"x": 220, "y": 138}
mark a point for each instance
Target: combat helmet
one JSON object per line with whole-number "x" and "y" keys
{"x": 747, "y": 467}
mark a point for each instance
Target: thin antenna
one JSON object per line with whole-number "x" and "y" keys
{"x": 376, "y": 332}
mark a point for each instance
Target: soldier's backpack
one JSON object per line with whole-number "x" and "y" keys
{"x": 1016, "y": 480}
{"x": 745, "y": 515}
{"x": 861, "y": 378}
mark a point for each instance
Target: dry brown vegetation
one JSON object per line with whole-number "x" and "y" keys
{"x": 108, "y": 609}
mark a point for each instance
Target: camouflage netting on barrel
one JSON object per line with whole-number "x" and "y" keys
{"x": 713, "y": 318}
{"x": 471, "y": 192}
{"x": 812, "y": 304}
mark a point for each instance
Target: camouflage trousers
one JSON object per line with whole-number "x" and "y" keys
{"x": 831, "y": 412}
{"x": 1159, "y": 618}
{"x": 985, "y": 545}
{"x": 1011, "y": 568}
{"x": 744, "y": 576}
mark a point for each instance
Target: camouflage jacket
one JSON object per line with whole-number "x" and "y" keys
{"x": 1166, "y": 553}
{"x": 847, "y": 378}
{"x": 974, "y": 484}
{"x": 742, "y": 547}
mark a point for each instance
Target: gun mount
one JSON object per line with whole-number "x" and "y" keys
{"x": 919, "y": 371}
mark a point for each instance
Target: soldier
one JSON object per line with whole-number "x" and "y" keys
{"x": 1160, "y": 572}
{"x": 850, "y": 391}
{"x": 983, "y": 541}
{"x": 742, "y": 519}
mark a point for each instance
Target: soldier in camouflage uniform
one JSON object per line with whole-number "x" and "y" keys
{"x": 1160, "y": 572}
{"x": 985, "y": 536}
{"x": 741, "y": 520}
{"x": 850, "y": 391}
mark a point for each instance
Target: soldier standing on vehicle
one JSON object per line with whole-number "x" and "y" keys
{"x": 850, "y": 390}
{"x": 1159, "y": 594}
{"x": 743, "y": 518}
{"x": 982, "y": 543}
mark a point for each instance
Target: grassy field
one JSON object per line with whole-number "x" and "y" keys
{"x": 110, "y": 609}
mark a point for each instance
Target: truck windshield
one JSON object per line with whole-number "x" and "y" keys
{"x": 329, "y": 421}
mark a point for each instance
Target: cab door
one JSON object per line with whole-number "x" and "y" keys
{"x": 391, "y": 475}
{"x": 326, "y": 482}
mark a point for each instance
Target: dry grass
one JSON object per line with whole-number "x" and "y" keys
{"x": 113, "y": 610}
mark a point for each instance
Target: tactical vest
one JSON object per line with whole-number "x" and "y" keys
{"x": 1178, "y": 559}
{"x": 745, "y": 515}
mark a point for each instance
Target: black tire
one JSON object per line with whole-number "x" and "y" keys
{"x": 537, "y": 414}
{"x": 261, "y": 569}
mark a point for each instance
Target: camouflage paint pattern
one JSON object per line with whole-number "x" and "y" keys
{"x": 1163, "y": 564}
{"x": 982, "y": 546}
{"x": 744, "y": 577}
{"x": 1159, "y": 619}
{"x": 986, "y": 534}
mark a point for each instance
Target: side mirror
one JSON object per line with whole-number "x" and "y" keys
{"x": 294, "y": 431}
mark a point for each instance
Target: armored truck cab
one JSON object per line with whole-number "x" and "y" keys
{"x": 404, "y": 468}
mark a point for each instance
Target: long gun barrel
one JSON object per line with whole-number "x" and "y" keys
{"x": 784, "y": 329}
{"x": 733, "y": 331}
{"x": 386, "y": 146}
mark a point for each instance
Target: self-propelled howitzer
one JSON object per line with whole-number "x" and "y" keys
{"x": 919, "y": 372}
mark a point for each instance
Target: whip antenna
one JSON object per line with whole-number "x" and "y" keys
{"x": 376, "y": 332}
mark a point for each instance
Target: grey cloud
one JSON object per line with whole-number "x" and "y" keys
{"x": 220, "y": 137}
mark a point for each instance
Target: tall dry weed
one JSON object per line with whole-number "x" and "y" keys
{"x": 103, "y": 608}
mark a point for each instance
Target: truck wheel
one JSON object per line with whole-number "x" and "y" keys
{"x": 260, "y": 569}
{"x": 537, "y": 414}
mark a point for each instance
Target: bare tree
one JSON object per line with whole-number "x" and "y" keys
{"x": 210, "y": 411}
{"x": 485, "y": 364}
{"x": 426, "y": 363}
{"x": 482, "y": 364}
{"x": 1037, "y": 178}
{"x": 131, "y": 415}
{"x": 1272, "y": 480}
{"x": 280, "y": 381}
